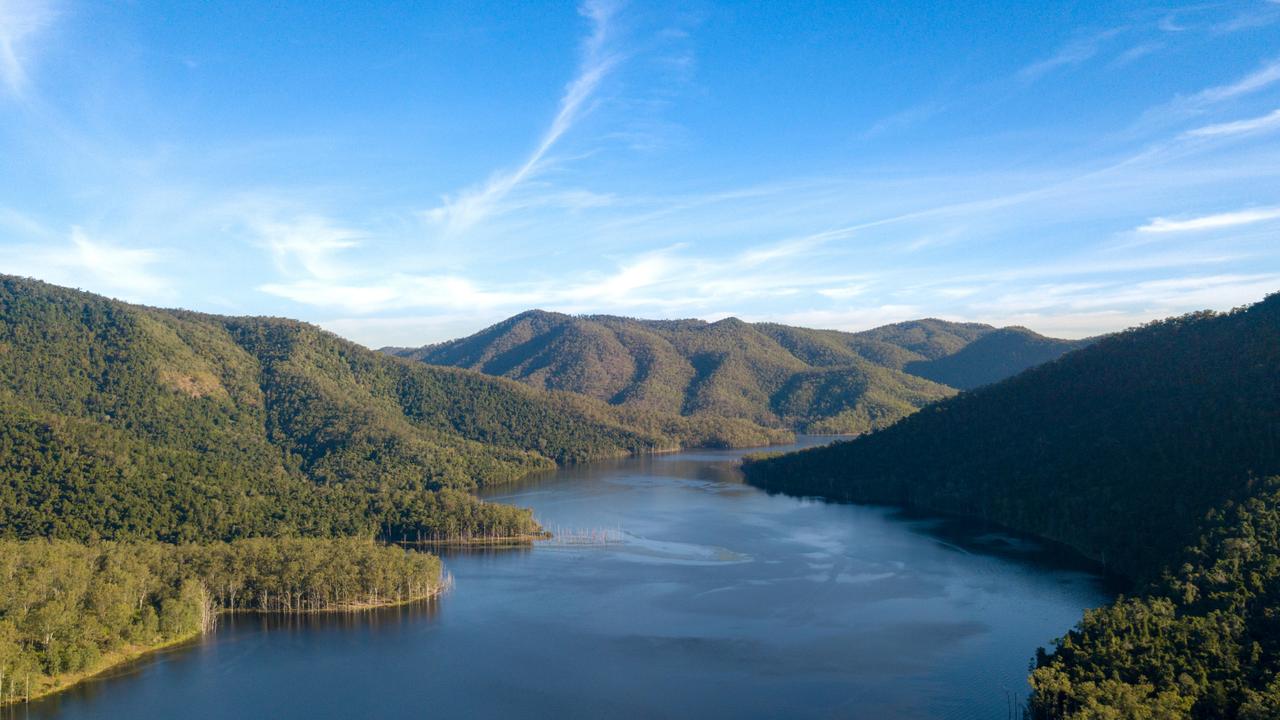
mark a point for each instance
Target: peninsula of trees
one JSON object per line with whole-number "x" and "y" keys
{"x": 1154, "y": 451}
{"x": 69, "y": 609}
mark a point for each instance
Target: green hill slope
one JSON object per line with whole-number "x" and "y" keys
{"x": 768, "y": 374}
{"x": 993, "y": 357}
{"x": 1129, "y": 450}
{"x": 124, "y": 421}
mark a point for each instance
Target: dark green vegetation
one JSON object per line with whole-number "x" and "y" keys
{"x": 1203, "y": 642}
{"x": 993, "y": 357}
{"x": 1148, "y": 451}
{"x": 773, "y": 375}
{"x": 119, "y": 421}
{"x": 136, "y": 425}
{"x": 68, "y": 609}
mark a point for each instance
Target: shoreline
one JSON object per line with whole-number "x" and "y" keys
{"x": 1093, "y": 563}
{"x": 133, "y": 652}
{"x": 501, "y": 541}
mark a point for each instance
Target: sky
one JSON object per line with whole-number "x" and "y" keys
{"x": 403, "y": 173}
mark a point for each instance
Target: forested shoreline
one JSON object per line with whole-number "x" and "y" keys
{"x": 1153, "y": 451}
{"x": 158, "y": 467}
{"x": 70, "y": 610}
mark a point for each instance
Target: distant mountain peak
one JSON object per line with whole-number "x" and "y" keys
{"x": 766, "y": 373}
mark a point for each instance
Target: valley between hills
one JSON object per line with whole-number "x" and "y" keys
{"x": 161, "y": 467}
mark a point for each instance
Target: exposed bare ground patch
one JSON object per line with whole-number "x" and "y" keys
{"x": 197, "y": 384}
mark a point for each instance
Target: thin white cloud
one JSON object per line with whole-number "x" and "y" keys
{"x": 397, "y": 292}
{"x": 1251, "y": 18}
{"x": 413, "y": 330}
{"x": 1269, "y": 121}
{"x": 472, "y": 206}
{"x": 306, "y": 245}
{"x": 1169, "y": 23}
{"x": 902, "y": 120}
{"x": 843, "y": 293}
{"x": 1264, "y": 76}
{"x": 1073, "y": 53}
{"x": 22, "y": 225}
{"x": 663, "y": 279}
{"x": 1077, "y": 309}
{"x": 94, "y": 265}
{"x": 1210, "y": 222}
{"x": 21, "y": 22}
{"x": 1182, "y": 107}
{"x": 1137, "y": 52}
{"x": 848, "y": 319}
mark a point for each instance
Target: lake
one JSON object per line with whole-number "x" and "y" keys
{"x": 675, "y": 591}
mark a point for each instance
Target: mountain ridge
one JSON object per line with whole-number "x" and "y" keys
{"x": 124, "y": 421}
{"x": 775, "y": 375}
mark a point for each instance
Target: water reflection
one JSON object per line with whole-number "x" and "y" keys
{"x": 246, "y": 629}
{"x": 689, "y": 594}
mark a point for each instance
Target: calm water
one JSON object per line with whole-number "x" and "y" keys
{"x": 712, "y": 599}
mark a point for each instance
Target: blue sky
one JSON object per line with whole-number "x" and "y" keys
{"x": 410, "y": 172}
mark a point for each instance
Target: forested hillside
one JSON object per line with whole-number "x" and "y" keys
{"x": 765, "y": 373}
{"x": 1131, "y": 450}
{"x": 135, "y": 425}
{"x": 993, "y": 357}
{"x": 119, "y": 421}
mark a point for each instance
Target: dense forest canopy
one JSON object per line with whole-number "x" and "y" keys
{"x": 120, "y": 421}
{"x": 265, "y": 454}
{"x": 1148, "y": 450}
{"x": 774, "y": 375}
{"x": 68, "y": 608}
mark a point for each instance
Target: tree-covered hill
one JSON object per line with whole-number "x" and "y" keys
{"x": 1130, "y": 450}
{"x": 765, "y": 373}
{"x": 125, "y": 421}
{"x": 123, "y": 425}
{"x": 993, "y": 357}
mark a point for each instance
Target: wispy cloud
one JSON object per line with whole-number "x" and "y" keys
{"x": 843, "y": 293}
{"x": 1211, "y": 222}
{"x": 1185, "y": 106}
{"x": 397, "y": 291}
{"x": 1264, "y": 76}
{"x": 1137, "y": 52}
{"x": 306, "y": 245}
{"x": 1073, "y": 53}
{"x": 1079, "y": 309}
{"x": 1269, "y": 121}
{"x": 902, "y": 120}
{"x": 1154, "y": 298}
{"x": 1257, "y": 16}
{"x": 668, "y": 279}
{"x": 82, "y": 261}
{"x": 21, "y": 22}
{"x": 849, "y": 319}
{"x": 472, "y": 206}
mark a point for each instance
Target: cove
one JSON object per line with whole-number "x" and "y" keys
{"x": 673, "y": 590}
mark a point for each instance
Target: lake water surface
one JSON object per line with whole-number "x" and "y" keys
{"x": 708, "y": 598}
